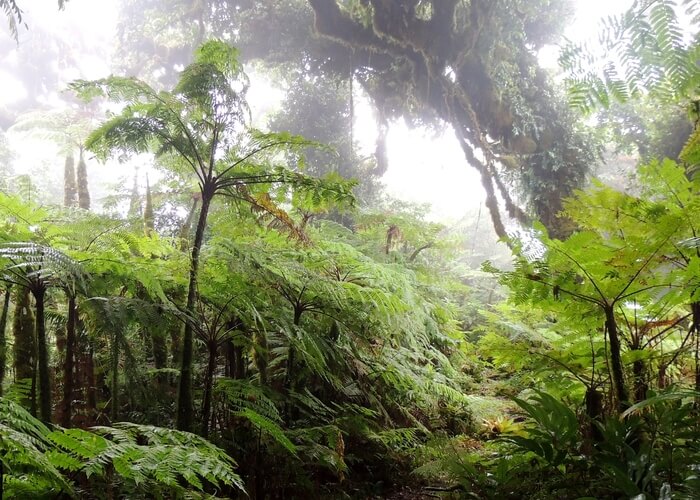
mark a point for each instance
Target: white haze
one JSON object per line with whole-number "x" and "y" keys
{"x": 423, "y": 168}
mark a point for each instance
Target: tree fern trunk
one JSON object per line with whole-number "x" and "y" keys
{"x": 291, "y": 353}
{"x": 160, "y": 355}
{"x": 148, "y": 216}
{"x": 83, "y": 189}
{"x": 695, "y": 308}
{"x": 185, "y": 403}
{"x": 114, "y": 385}
{"x": 69, "y": 362}
{"x": 640, "y": 384}
{"x": 23, "y": 333}
{"x": 91, "y": 382}
{"x": 3, "y": 339}
{"x": 70, "y": 190}
{"x": 208, "y": 387}
{"x": 24, "y": 348}
{"x": 39, "y": 293}
{"x": 617, "y": 375}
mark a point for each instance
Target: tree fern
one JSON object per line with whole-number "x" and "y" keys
{"x": 645, "y": 49}
{"x": 28, "y": 470}
{"x": 148, "y": 461}
{"x": 252, "y": 404}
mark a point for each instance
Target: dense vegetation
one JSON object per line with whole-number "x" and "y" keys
{"x": 263, "y": 321}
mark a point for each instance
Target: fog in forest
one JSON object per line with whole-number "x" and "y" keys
{"x": 94, "y": 39}
{"x": 341, "y": 249}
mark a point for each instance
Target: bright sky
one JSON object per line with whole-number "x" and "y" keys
{"x": 422, "y": 168}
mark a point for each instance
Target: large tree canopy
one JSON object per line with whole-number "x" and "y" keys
{"x": 471, "y": 65}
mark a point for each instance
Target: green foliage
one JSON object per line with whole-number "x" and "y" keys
{"x": 554, "y": 437}
{"x": 137, "y": 460}
{"x": 645, "y": 49}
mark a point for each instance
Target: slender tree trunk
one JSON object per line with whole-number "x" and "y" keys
{"x": 69, "y": 362}
{"x": 187, "y": 226}
{"x": 289, "y": 379}
{"x": 114, "y": 385}
{"x": 228, "y": 359}
{"x": 208, "y": 387}
{"x": 640, "y": 384}
{"x": 91, "y": 381}
{"x": 43, "y": 356}
{"x": 594, "y": 410}
{"x": 160, "y": 355}
{"x": 291, "y": 354}
{"x": 70, "y": 189}
{"x": 83, "y": 189}
{"x": 185, "y": 403}
{"x": 235, "y": 362}
{"x": 3, "y": 338}
{"x": 618, "y": 377}
{"x": 148, "y": 216}
{"x": 260, "y": 355}
{"x": 23, "y": 332}
{"x": 239, "y": 362}
{"x": 695, "y": 309}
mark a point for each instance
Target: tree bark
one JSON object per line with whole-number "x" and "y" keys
{"x": 3, "y": 339}
{"x": 208, "y": 387}
{"x": 39, "y": 293}
{"x": 70, "y": 190}
{"x": 114, "y": 385}
{"x": 185, "y": 402}
{"x": 69, "y": 362}
{"x": 695, "y": 308}
{"x": 83, "y": 189}
{"x": 91, "y": 381}
{"x": 618, "y": 377}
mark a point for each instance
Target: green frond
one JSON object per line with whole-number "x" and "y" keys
{"x": 27, "y": 262}
{"x": 268, "y": 427}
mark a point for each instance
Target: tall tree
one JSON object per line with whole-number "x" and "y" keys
{"x": 82, "y": 181}
{"x": 3, "y": 337}
{"x": 201, "y": 124}
{"x": 24, "y": 346}
{"x": 70, "y": 188}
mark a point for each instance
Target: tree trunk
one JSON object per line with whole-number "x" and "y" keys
{"x": 160, "y": 355}
{"x": 24, "y": 348}
{"x": 618, "y": 377}
{"x": 114, "y": 384}
{"x": 290, "y": 379}
{"x": 148, "y": 216}
{"x": 70, "y": 190}
{"x": 69, "y": 362}
{"x": 39, "y": 293}
{"x": 291, "y": 354}
{"x": 594, "y": 410}
{"x": 640, "y": 382}
{"x": 91, "y": 381}
{"x": 208, "y": 387}
{"x": 135, "y": 209}
{"x": 185, "y": 402}
{"x": 83, "y": 189}
{"x": 260, "y": 355}
{"x": 3, "y": 338}
{"x": 23, "y": 332}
